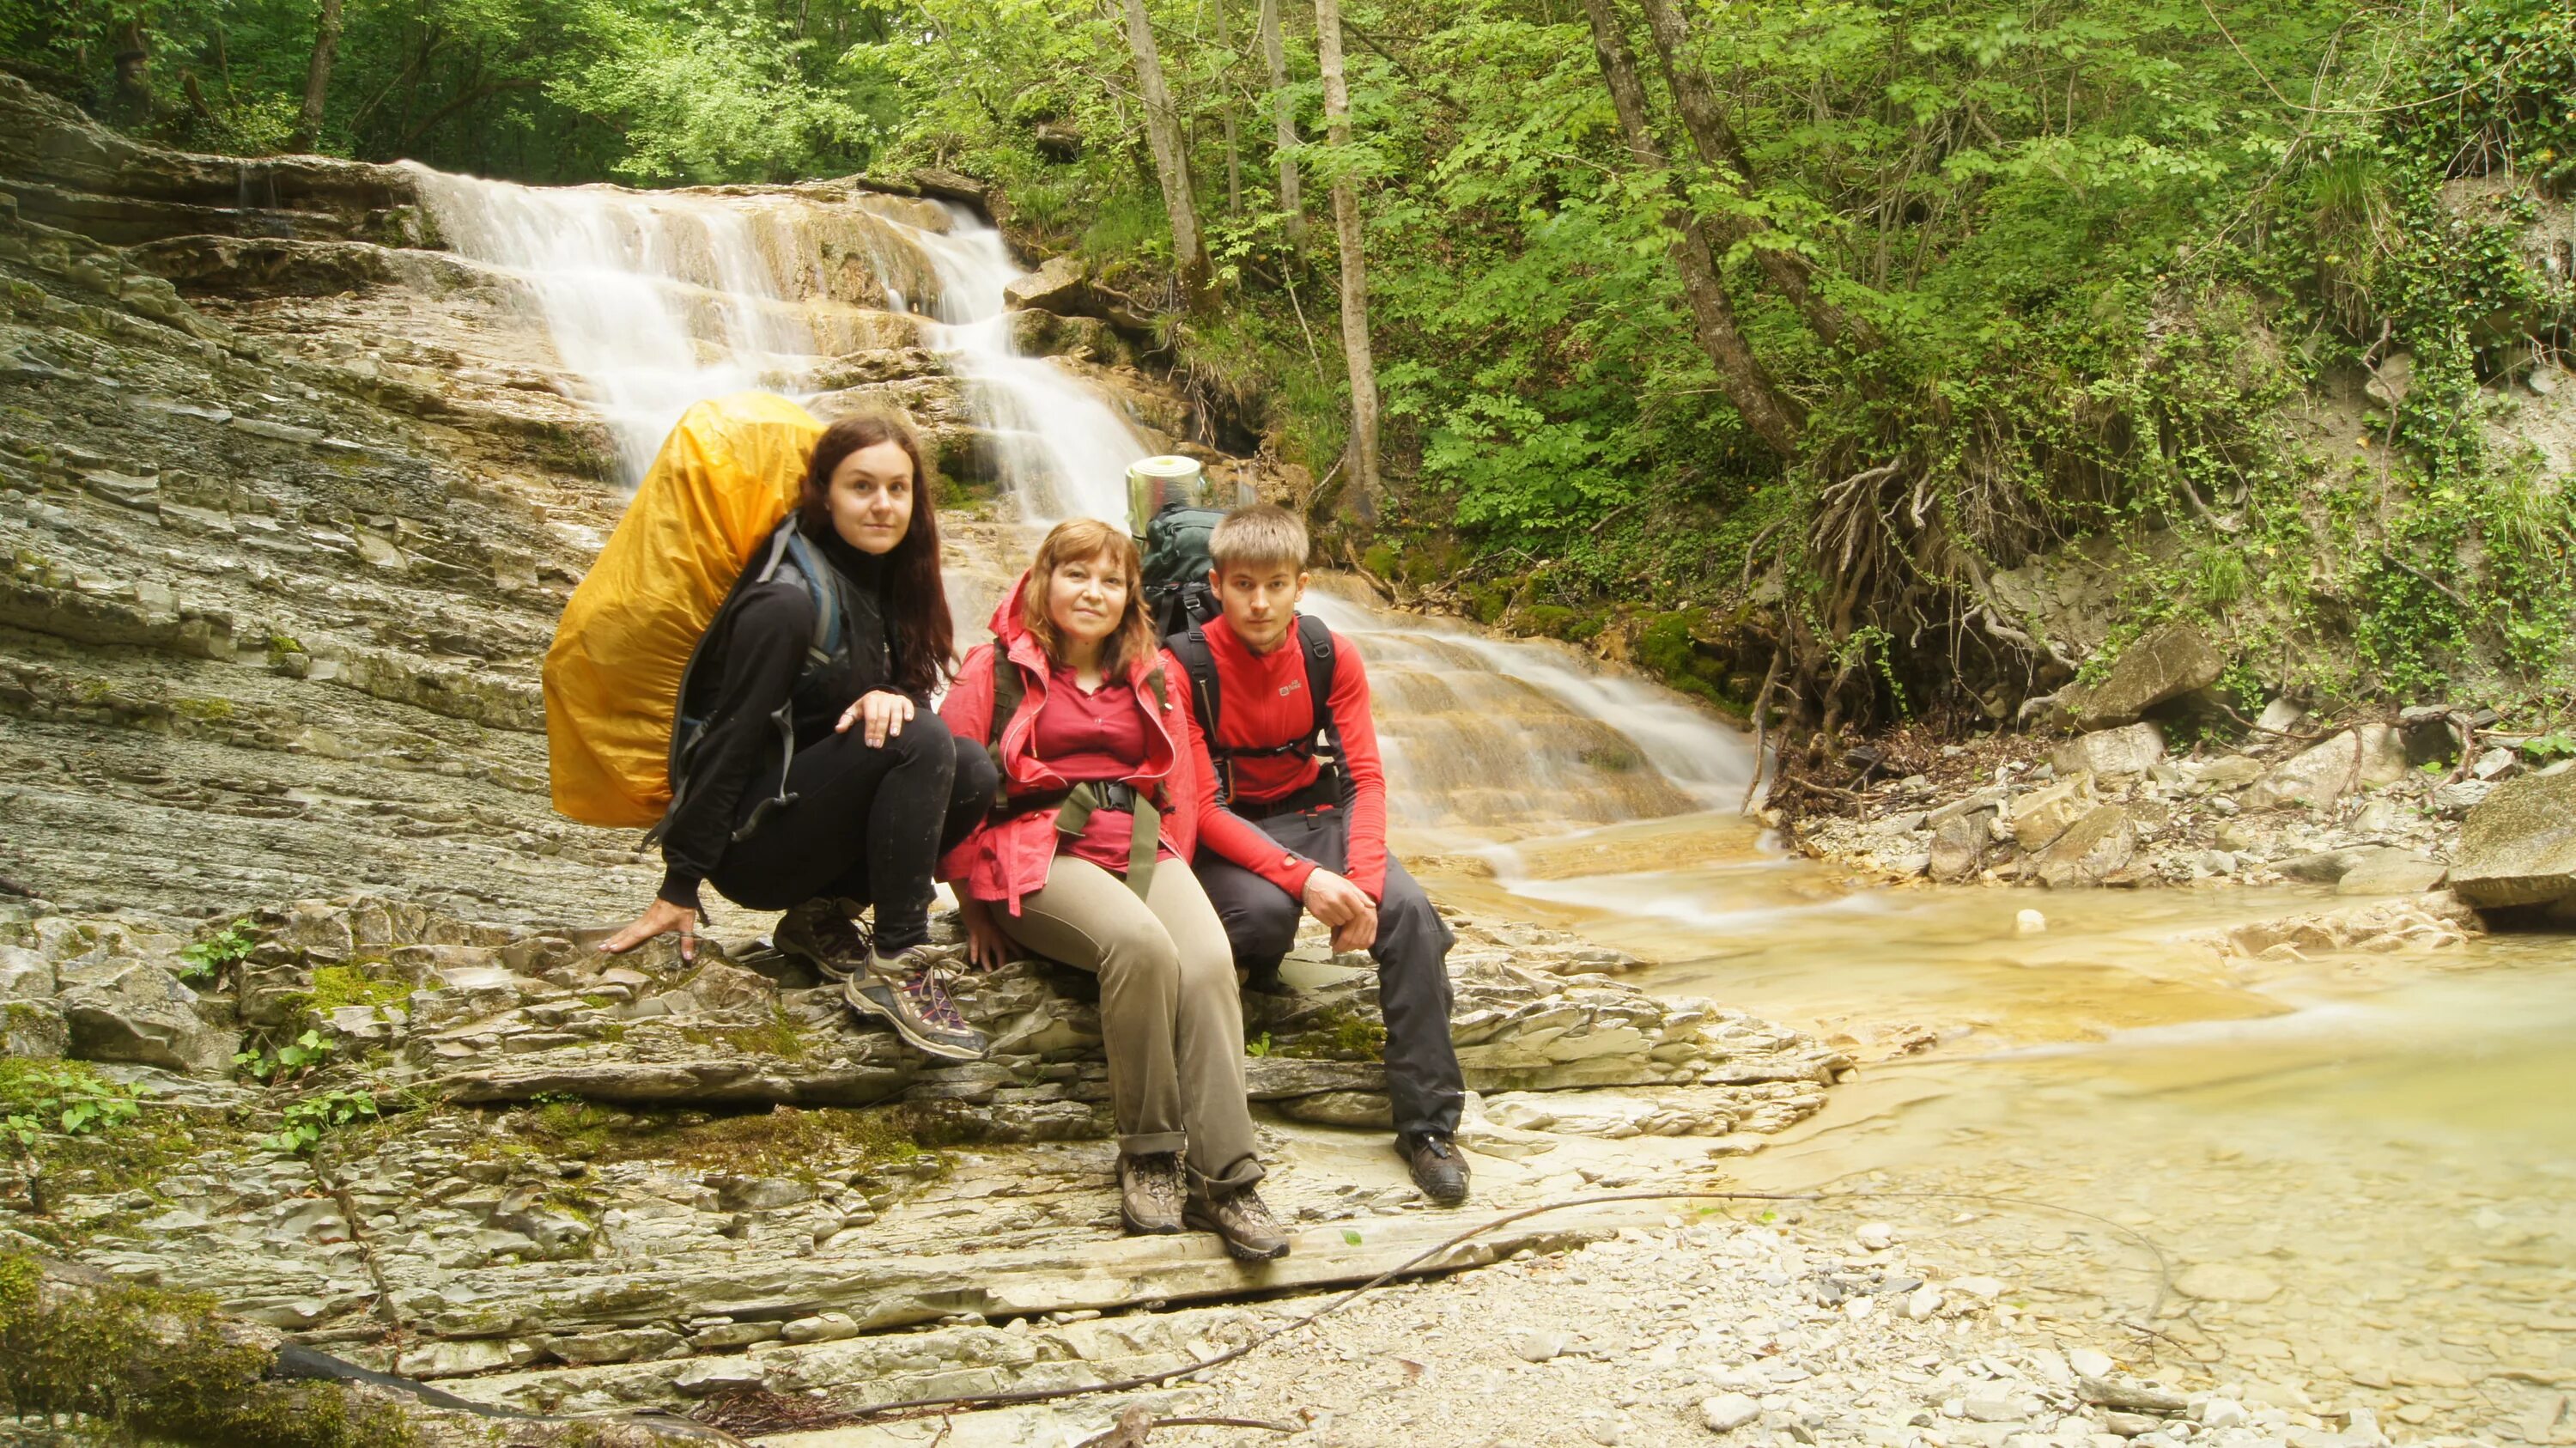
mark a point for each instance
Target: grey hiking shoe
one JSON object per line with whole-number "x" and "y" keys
{"x": 1238, "y": 1215}
{"x": 1149, "y": 1193}
{"x": 818, "y": 933}
{"x": 908, "y": 993}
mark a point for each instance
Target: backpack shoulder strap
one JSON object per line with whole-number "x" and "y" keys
{"x": 1190, "y": 646}
{"x": 1008, "y": 690}
{"x": 1321, "y": 660}
{"x": 822, "y": 585}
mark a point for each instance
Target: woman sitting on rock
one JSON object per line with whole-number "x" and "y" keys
{"x": 1085, "y": 860}
{"x": 875, "y": 786}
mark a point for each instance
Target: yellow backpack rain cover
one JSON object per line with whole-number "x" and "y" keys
{"x": 724, "y": 478}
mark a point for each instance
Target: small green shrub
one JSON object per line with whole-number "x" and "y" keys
{"x": 208, "y": 958}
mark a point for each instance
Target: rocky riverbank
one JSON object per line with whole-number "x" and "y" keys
{"x": 2434, "y": 804}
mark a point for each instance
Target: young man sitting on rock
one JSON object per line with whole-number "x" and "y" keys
{"x": 1285, "y": 707}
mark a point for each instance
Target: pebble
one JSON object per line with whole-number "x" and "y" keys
{"x": 2091, "y": 1362}
{"x": 2217, "y": 1413}
{"x": 2226, "y": 1282}
{"x": 2029, "y": 922}
{"x": 1538, "y": 1345}
{"x": 1875, "y": 1236}
{"x": 1727, "y": 1412}
{"x": 1923, "y": 1302}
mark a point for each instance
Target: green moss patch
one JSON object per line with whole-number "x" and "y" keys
{"x": 138, "y": 1364}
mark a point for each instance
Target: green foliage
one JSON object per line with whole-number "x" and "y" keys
{"x": 658, "y": 90}
{"x": 208, "y": 958}
{"x": 293, "y": 1061}
{"x": 42, "y": 1099}
{"x": 315, "y": 1117}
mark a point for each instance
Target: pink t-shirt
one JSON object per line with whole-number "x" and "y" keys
{"x": 1096, "y": 735}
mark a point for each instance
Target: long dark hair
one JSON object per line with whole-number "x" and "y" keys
{"x": 925, "y": 640}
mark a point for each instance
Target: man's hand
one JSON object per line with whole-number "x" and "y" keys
{"x": 1345, "y": 907}
{"x": 986, "y": 946}
{"x": 663, "y": 918}
{"x": 884, "y": 714}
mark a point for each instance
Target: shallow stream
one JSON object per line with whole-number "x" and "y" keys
{"x": 2360, "y": 1171}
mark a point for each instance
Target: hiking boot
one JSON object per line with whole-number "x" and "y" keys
{"x": 1239, "y": 1216}
{"x": 1437, "y": 1167}
{"x": 1266, "y": 980}
{"x": 1149, "y": 1193}
{"x": 908, "y": 993}
{"x": 817, "y": 933}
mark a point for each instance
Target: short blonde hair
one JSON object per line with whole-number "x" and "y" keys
{"x": 1261, "y": 533}
{"x": 1078, "y": 540}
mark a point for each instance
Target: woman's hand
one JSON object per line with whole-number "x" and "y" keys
{"x": 986, "y": 946}
{"x": 663, "y": 918}
{"x": 883, "y": 713}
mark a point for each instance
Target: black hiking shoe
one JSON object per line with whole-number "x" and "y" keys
{"x": 1266, "y": 980}
{"x": 908, "y": 993}
{"x": 1437, "y": 1168}
{"x": 1238, "y": 1215}
{"x": 817, "y": 933}
{"x": 1149, "y": 1193}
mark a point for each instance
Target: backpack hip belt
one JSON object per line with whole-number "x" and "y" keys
{"x": 1073, "y": 807}
{"x": 1323, "y": 792}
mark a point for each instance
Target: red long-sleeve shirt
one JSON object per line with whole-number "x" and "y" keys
{"x": 1263, "y": 704}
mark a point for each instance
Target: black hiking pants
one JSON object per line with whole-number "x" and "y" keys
{"x": 869, "y": 823}
{"x": 1411, "y": 951}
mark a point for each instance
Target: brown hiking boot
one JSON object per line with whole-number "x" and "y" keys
{"x": 817, "y": 933}
{"x": 1149, "y": 1193}
{"x": 1437, "y": 1168}
{"x": 1239, "y": 1216}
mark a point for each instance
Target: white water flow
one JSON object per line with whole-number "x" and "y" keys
{"x": 656, "y": 300}
{"x": 653, "y": 301}
{"x": 1059, "y": 449}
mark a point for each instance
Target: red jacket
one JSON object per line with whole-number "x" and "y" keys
{"x": 1264, "y": 704}
{"x": 1003, "y": 862}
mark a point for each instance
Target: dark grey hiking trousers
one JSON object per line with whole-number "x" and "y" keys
{"x": 1411, "y": 951}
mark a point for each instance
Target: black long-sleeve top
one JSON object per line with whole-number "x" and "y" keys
{"x": 753, "y": 662}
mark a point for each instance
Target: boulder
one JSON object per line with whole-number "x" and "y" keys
{"x": 2518, "y": 845}
{"x": 2042, "y": 815}
{"x": 2091, "y": 851}
{"x": 2166, "y": 664}
{"x": 1056, "y": 286}
{"x": 2391, "y": 872}
{"x": 2131, "y": 750}
{"x": 1959, "y": 846}
{"x": 137, "y": 1012}
{"x": 2363, "y": 757}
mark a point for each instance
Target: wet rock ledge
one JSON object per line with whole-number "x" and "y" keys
{"x": 575, "y": 1182}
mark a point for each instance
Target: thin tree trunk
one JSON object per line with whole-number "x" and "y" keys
{"x": 1225, "y": 113}
{"x": 1171, "y": 159}
{"x": 1274, "y": 53}
{"x": 317, "y": 78}
{"x": 1771, "y": 414}
{"x": 1364, "y": 482}
{"x": 1722, "y": 152}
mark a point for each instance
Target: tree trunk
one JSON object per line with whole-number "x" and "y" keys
{"x": 1274, "y": 53}
{"x": 1722, "y": 152}
{"x": 317, "y": 78}
{"x": 1364, "y": 481}
{"x": 1769, "y": 413}
{"x": 1171, "y": 159}
{"x": 1225, "y": 113}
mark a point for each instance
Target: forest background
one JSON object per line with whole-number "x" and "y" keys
{"x": 1846, "y": 361}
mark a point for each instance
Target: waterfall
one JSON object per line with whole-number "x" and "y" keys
{"x": 654, "y": 301}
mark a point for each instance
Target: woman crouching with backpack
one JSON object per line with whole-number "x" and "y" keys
{"x": 1085, "y": 860}
{"x": 874, "y": 787}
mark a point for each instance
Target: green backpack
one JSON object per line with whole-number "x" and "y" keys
{"x": 1176, "y": 567}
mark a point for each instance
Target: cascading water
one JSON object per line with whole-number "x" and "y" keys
{"x": 655, "y": 301}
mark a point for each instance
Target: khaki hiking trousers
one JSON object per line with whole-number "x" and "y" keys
{"x": 1171, "y": 1021}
